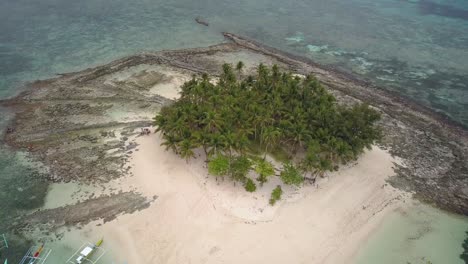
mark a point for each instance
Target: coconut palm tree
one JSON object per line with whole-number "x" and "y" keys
{"x": 171, "y": 142}
{"x": 217, "y": 143}
{"x": 186, "y": 149}
{"x": 239, "y": 68}
{"x": 270, "y": 136}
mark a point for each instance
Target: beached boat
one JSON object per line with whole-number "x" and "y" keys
{"x": 85, "y": 252}
{"x": 3, "y": 244}
{"x": 36, "y": 255}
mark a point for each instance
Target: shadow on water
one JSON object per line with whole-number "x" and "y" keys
{"x": 433, "y": 8}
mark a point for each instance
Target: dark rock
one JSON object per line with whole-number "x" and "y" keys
{"x": 105, "y": 207}
{"x": 201, "y": 21}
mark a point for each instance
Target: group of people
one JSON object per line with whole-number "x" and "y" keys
{"x": 145, "y": 131}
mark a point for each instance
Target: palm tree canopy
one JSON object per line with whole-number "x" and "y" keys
{"x": 271, "y": 110}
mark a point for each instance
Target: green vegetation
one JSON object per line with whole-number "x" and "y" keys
{"x": 264, "y": 169}
{"x": 219, "y": 166}
{"x": 240, "y": 119}
{"x": 291, "y": 175}
{"x": 276, "y": 195}
{"x": 250, "y": 186}
{"x": 240, "y": 166}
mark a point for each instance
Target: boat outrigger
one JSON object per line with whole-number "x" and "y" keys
{"x": 36, "y": 255}
{"x": 3, "y": 245}
{"x": 85, "y": 253}
{"x": 3, "y": 242}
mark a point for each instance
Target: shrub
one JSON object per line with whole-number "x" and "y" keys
{"x": 240, "y": 166}
{"x": 290, "y": 175}
{"x": 264, "y": 169}
{"x": 276, "y": 195}
{"x": 219, "y": 165}
{"x": 250, "y": 186}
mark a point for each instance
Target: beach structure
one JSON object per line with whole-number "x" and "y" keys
{"x": 36, "y": 255}
{"x": 88, "y": 253}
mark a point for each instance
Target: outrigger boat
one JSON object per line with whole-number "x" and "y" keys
{"x": 36, "y": 255}
{"x": 38, "y": 252}
{"x": 3, "y": 244}
{"x": 83, "y": 254}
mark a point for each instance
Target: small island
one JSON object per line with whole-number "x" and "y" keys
{"x": 237, "y": 120}
{"x": 218, "y": 182}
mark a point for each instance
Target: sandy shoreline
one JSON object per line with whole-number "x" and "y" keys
{"x": 197, "y": 220}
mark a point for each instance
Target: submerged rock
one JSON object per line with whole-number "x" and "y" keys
{"x": 201, "y": 21}
{"x": 105, "y": 207}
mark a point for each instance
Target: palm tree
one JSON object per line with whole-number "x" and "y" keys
{"x": 270, "y": 136}
{"x": 202, "y": 138}
{"x": 171, "y": 142}
{"x": 271, "y": 108}
{"x": 227, "y": 78}
{"x": 312, "y": 158}
{"x": 299, "y": 135}
{"x": 242, "y": 140}
{"x": 186, "y": 149}
{"x": 230, "y": 141}
{"x": 212, "y": 121}
{"x": 217, "y": 143}
{"x": 239, "y": 67}
{"x": 162, "y": 120}
{"x": 263, "y": 121}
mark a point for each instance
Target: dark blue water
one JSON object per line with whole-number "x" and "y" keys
{"x": 417, "y": 48}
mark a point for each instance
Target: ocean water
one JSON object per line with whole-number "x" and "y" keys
{"x": 416, "y": 235}
{"x": 418, "y": 48}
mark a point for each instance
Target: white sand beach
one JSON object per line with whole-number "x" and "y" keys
{"x": 196, "y": 219}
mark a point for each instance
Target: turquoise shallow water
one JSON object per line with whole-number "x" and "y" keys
{"x": 416, "y": 235}
{"x": 417, "y": 48}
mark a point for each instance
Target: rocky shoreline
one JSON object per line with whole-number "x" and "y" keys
{"x": 105, "y": 207}
{"x": 81, "y": 125}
